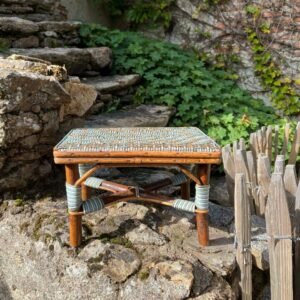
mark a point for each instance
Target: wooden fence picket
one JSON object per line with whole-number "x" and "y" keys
{"x": 296, "y": 232}
{"x": 229, "y": 169}
{"x": 241, "y": 166}
{"x": 279, "y": 164}
{"x": 290, "y": 184}
{"x": 279, "y": 243}
{"x": 295, "y": 146}
{"x": 269, "y": 143}
{"x": 285, "y": 139}
{"x": 243, "y": 235}
{"x": 276, "y": 134}
{"x": 263, "y": 181}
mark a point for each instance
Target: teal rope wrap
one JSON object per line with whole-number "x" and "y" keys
{"x": 73, "y": 197}
{"x": 178, "y": 179}
{"x": 92, "y": 205}
{"x": 93, "y": 182}
{"x": 185, "y": 205}
{"x": 202, "y": 196}
{"x": 83, "y": 168}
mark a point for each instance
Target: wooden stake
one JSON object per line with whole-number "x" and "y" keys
{"x": 263, "y": 180}
{"x": 296, "y": 231}
{"x": 295, "y": 146}
{"x": 280, "y": 249}
{"x": 285, "y": 139}
{"x": 269, "y": 143}
{"x": 243, "y": 236}
{"x": 229, "y": 169}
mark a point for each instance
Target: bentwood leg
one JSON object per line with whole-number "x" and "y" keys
{"x": 74, "y": 220}
{"x": 202, "y": 218}
{"x": 185, "y": 190}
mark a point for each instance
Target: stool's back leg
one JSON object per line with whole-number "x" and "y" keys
{"x": 202, "y": 218}
{"x": 74, "y": 220}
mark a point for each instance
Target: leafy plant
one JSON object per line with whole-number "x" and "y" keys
{"x": 206, "y": 98}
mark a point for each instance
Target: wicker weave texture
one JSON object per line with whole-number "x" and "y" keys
{"x": 177, "y": 139}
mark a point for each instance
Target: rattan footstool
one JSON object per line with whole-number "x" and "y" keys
{"x": 84, "y": 151}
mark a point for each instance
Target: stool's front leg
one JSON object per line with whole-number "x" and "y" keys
{"x": 74, "y": 220}
{"x": 202, "y": 217}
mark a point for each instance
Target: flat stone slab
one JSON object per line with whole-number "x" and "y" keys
{"x": 17, "y": 26}
{"x": 76, "y": 60}
{"x": 106, "y": 84}
{"x": 141, "y": 116}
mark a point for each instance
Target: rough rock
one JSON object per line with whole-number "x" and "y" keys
{"x": 13, "y": 63}
{"x": 167, "y": 279}
{"x": 76, "y": 60}
{"x": 17, "y": 25}
{"x": 107, "y": 266}
{"x": 141, "y": 116}
{"x": 218, "y": 191}
{"x": 143, "y": 235}
{"x": 119, "y": 262}
{"x": 56, "y": 26}
{"x": 101, "y": 58}
{"x": 106, "y": 84}
{"x": 21, "y": 90}
{"x": 219, "y": 257}
{"x": 219, "y": 290}
{"x": 220, "y": 216}
{"x": 26, "y": 42}
{"x": 83, "y": 96}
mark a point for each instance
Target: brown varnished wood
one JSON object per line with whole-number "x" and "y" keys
{"x": 74, "y": 220}
{"x": 185, "y": 190}
{"x": 202, "y": 218}
{"x": 126, "y": 154}
{"x": 137, "y": 160}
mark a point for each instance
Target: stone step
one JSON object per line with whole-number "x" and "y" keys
{"x": 108, "y": 84}
{"x": 76, "y": 60}
{"x": 141, "y": 116}
{"x": 16, "y": 32}
{"x": 35, "y": 10}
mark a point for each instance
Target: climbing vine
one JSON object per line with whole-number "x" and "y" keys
{"x": 283, "y": 94}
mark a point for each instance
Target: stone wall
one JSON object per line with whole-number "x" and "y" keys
{"x": 39, "y": 102}
{"x": 34, "y": 10}
{"x": 220, "y": 30}
{"x": 21, "y": 33}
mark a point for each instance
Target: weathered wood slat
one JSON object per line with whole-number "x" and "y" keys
{"x": 253, "y": 180}
{"x": 295, "y": 146}
{"x": 280, "y": 250}
{"x": 297, "y": 245}
{"x": 269, "y": 143}
{"x": 253, "y": 145}
{"x": 276, "y": 133}
{"x": 285, "y": 139}
{"x": 241, "y": 166}
{"x": 279, "y": 164}
{"x": 243, "y": 236}
{"x": 263, "y": 181}
{"x": 290, "y": 184}
{"x": 264, "y": 138}
{"x": 242, "y": 144}
{"x": 259, "y": 141}
{"x": 229, "y": 169}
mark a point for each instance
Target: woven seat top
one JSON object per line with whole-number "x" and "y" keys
{"x": 142, "y": 141}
